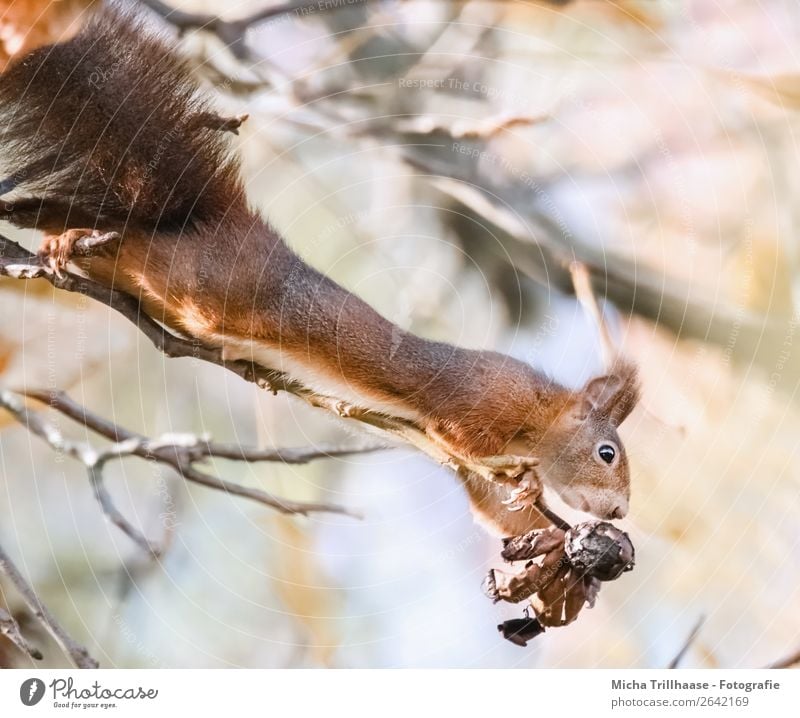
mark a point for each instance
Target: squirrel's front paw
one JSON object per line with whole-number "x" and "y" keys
{"x": 526, "y": 494}
{"x": 57, "y": 250}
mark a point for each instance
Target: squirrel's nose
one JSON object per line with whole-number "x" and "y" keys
{"x": 619, "y": 511}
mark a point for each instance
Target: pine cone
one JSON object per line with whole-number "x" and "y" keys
{"x": 562, "y": 574}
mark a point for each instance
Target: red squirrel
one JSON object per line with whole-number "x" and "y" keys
{"x": 108, "y": 133}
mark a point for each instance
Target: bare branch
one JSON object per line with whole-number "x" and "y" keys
{"x": 231, "y": 32}
{"x": 533, "y": 243}
{"x": 93, "y": 460}
{"x": 77, "y": 653}
{"x": 195, "y": 447}
{"x": 793, "y": 659}
{"x": 584, "y": 293}
{"x": 10, "y": 629}
{"x": 687, "y": 644}
{"x": 179, "y": 452}
{"x": 116, "y": 517}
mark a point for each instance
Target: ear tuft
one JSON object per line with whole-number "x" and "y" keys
{"x": 613, "y": 395}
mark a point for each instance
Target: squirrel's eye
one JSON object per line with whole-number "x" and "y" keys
{"x": 606, "y": 452}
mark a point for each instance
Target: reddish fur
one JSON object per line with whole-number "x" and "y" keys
{"x": 205, "y": 264}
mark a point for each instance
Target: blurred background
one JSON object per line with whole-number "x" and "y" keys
{"x": 445, "y": 161}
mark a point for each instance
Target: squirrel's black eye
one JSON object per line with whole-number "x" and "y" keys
{"x": 606, "y": 452}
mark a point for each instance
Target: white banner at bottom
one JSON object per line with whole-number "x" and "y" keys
{"x": 390, "y": 693}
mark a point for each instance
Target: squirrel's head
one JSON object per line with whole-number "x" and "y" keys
{"x": 581, "y": 455}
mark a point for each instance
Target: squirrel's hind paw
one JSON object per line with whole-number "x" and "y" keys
{"x": 57, "y": 250}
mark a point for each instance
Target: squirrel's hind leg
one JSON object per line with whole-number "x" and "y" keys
{"x": 47, "y": 214}
{"x": 58, "y": 250}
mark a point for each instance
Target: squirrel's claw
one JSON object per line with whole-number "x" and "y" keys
{"x": 53, "y": 255}
{"x": 526, "y": 494}
{"x": 57, "y": 250}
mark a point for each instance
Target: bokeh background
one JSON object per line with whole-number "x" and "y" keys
{"x": 445, "y": 161}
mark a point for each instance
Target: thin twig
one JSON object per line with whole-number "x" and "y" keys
{"x": 793, "y": 659}
{"x": 233, "y": 33}
{"x": 115, "y": 516}
{"x": 178, "y": 455}
{"x": 11, "y": 630}
{"x": 181, "y": 451}
{"x": 687, "y": 644}
{"x": 582, "y": 284}
{"x": 77, "y": 653}
{"x": 93, "y": 460}
{"x": 198, "y": 447}
{"x": 534, "y": 245}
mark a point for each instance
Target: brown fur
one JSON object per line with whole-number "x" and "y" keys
{"x": 106, "y": 128}
{"x": 93, "y": 154}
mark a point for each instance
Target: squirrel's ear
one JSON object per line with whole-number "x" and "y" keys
{"x": 613, "y": 395}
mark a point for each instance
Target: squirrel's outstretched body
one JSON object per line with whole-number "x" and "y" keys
{"x": 108, "y": 132}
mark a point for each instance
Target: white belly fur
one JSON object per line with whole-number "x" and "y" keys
{"x": 314, "y": 377}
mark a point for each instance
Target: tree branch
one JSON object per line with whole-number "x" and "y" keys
{"x": 11, "y": 630}
{"x": 79, "y": 655}
{"x": 232, "y": 32}
{"x": 194, "y": 447}
{"x": 793, "y": 659}
{"x": 179, "y": 451}
{"x": 533, "y": 243}
{"x": 687, "y": 644}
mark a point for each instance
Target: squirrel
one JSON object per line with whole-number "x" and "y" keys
{"x": 108, "y": 132}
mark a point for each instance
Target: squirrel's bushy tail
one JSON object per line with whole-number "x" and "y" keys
{"x": 109, "y": 126}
